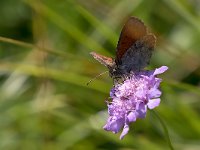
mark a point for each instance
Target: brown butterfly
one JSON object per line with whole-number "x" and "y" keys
{"x": 133, "y": 52}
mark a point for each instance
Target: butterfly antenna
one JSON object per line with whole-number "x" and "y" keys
{"x": 96, "y": 77}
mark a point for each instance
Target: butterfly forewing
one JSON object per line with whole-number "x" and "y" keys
{"x": 133, "y": 30}
{"x": 106, "y": 61}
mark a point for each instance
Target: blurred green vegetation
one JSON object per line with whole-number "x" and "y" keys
{"x": 45, "y": 103}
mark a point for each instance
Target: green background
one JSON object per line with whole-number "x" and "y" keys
{"x": 45, "y": 64}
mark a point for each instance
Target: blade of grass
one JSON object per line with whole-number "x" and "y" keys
{"x": 165, "y": 129}
{"x": 99, "y": 25}
{"x": 68, "y": 27}
{"x": 68, "y": 77}
{"x": 28, "y": 45}
{"x": 179, "y": 8}
{"x": 184, "y": 86}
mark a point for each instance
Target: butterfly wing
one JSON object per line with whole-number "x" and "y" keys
{"x": 106, "y": 61}
{"x": 133, "y": 30}
{"x": 133, "y": 52}
{"x": 139, "y": 54}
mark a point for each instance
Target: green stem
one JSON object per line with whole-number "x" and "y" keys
{"x": 165, "y": 129}
{"x": 28, "y": 45}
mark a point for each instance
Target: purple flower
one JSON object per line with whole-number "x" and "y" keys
{"x": 131, "y": 99}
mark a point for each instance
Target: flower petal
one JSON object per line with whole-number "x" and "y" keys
{"x": 153, "y": 103}
{"x": 114, "y": 124}
{"x": 160, "y": 70}
{"x": 125, "y": 131}
{"x": 141, "y": 110}
{"x": 131, "y": 117}
{"x": 112, "y": 92}
{"x": 154, "y": 93}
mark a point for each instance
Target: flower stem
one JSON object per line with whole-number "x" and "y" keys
{"x": 165, "y": 129}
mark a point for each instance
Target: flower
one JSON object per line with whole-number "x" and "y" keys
{"x": 131, "y": 98}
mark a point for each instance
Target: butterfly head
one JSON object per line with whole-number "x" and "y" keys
{"x": 116, "y": 71}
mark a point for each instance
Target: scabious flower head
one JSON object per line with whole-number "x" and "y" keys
{"x": 131, "y": 99}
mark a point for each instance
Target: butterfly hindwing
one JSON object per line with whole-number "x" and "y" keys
{"x": 138, "y": 55}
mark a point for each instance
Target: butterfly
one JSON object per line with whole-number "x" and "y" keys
{"x": 133, "y": 52}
